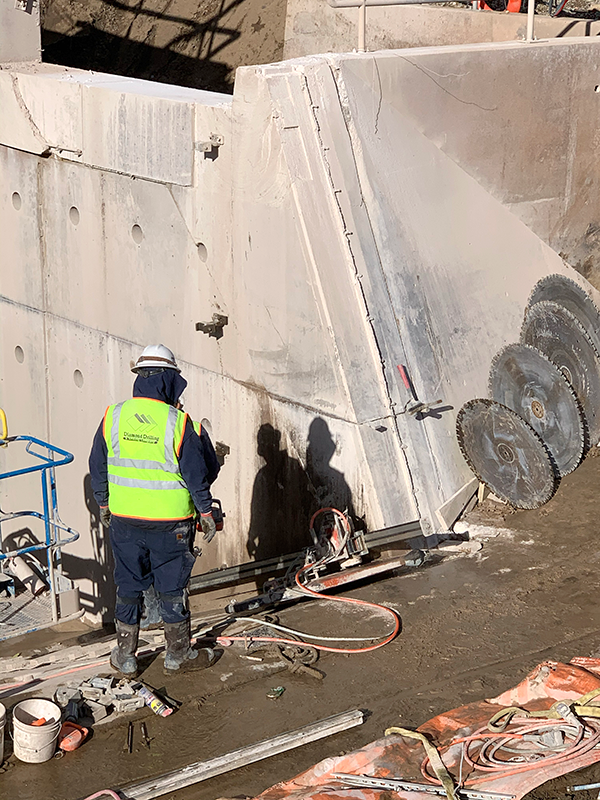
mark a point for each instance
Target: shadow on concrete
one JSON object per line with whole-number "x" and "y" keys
{"x": 281, "y": 500}
{"x": 187, "y": 58}
{"x": 286, "y": 494}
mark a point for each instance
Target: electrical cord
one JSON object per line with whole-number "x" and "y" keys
{"x": 294, "y": 632}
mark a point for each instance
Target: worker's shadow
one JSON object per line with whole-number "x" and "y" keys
{"x": 281, "y": 501}
{"x": 328, "y": 486}
{"x": 286, "y": 494}
{"x": 98, "y": 569}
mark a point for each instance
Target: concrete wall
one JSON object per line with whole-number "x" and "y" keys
{"x": 353, "y": 220}
{"x": 20, "y": 31}
{"x": 312, "y": 26}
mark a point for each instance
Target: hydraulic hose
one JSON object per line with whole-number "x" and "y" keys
{"x": 226, "y": 640}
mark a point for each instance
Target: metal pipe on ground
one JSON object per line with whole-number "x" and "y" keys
{"x": 369, "y": 3}
{"x": 203, "y": 770}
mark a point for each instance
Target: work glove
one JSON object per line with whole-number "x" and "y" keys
{"x": 209, "y": 526}
{"x": 104, "y": 516}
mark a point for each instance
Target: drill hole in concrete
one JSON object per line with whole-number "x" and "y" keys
{"x": 74, "y": 215}
{"x": 16, "y": 201}
{"x": 19, "y": 354}
{"x": 78, "y": 378}
{"x": 137, "y": 234}
{"x": 202, "y": 251}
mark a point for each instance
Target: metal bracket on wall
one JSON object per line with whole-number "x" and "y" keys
{"x": 215, "y": 141}
{"x": 214, "y": 328}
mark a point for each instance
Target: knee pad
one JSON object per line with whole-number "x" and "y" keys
{"x": 127, "y": 609}
{"x": 173, "y": 606}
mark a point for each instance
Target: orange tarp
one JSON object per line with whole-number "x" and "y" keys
{"x": 508, "y": 772}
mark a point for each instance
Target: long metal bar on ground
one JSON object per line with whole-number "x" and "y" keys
{"x": 395, "y": 784}
{"x": 251, "y": 569}
{"x": 372, "y": 3}
{"x": 203, "y": 770}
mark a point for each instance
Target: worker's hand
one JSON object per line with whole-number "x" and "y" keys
{"x": 104, "y": 516}
{"x": 209, "y": 527}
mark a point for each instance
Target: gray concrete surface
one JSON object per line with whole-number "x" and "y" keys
{"x": 20, "y": 31}
{"x": 312, "y": 26}
{"x": 364, "y": 211}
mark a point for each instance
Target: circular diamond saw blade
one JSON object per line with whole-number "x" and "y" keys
{"x": 562, "y": 290}
{"x": 555, "y": 331}
{"x": 506, "y": 453}
{"x": 529, "y": 383}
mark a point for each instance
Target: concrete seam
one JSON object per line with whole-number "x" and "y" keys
{"x": 43, "y": 270}
{"x": 27, "y": 113}
{"x": 246, "y": 384}
{"x": 369, "y": 317}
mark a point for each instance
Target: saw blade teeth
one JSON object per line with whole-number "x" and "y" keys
{"x": 540, "y": 482}
{"x": 587, "y": 389}
{"x": 520, "y": 374}
{"x": 493, "y": 366}
{"x": 569, "y": 294}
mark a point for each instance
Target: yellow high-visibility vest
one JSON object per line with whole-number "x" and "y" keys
{"x": 144, "y": 438}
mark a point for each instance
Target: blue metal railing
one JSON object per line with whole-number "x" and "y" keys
{"x": 50, "y": 516}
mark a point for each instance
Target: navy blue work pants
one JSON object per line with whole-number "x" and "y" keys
{"x": 143, "y": 558}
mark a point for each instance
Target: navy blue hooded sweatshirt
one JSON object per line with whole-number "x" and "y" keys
{"x": 198, "y": 463}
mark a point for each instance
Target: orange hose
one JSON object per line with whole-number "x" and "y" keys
{"x": 306, "y": 590}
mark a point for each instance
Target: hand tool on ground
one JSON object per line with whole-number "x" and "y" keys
{"x": 145, "y": 736}
{"x": 506, "y": 453}
{"x": 526, "y": 381}
{"x": 130, "y": 737}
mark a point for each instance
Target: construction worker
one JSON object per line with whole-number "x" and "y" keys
{"x": 151, "y": 474}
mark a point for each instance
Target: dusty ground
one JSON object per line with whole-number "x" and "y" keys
{"x": 197, "y": 43}
{"x": 472, "y": 626}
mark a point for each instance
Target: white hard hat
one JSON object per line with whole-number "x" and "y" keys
{"x": 156, "y": 356}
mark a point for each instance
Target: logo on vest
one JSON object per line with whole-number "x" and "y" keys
{"x": 140, "y": 428}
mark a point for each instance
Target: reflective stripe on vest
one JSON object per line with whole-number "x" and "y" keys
{"x": 142, "y": 438}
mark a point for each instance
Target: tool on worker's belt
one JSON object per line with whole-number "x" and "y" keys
{"x": 529, "y": 383}
{"x": 145, "y": 736}
{"x": 506, "y": 453}
{"x": 218, "y": 516}
{"x": 130, "y": 737}
{"x": 414, "y": 406}
{"x": 559, "y": 335}
{"x": 395, "y": 785}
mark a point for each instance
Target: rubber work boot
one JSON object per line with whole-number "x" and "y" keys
{"x": 180, "y": 655}
{"x": 122, "y": 657}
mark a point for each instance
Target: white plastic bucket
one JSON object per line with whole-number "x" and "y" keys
{"x": 2, "y": 726}
{"x": 35, "y": 743}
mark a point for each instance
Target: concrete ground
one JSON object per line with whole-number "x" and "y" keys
{"x": 472, "y": 626}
